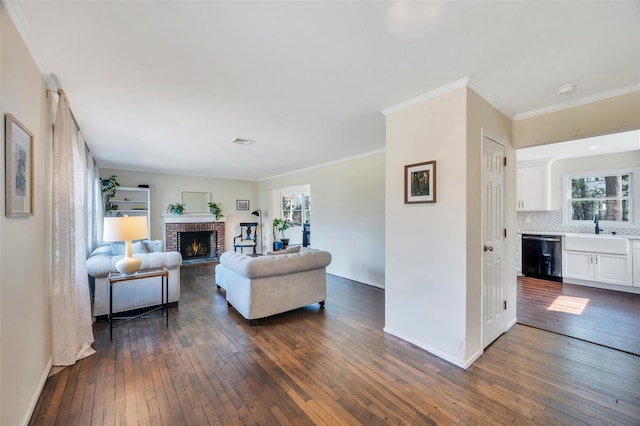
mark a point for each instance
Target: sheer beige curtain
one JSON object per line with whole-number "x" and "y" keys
{"x": 71, "y": 306}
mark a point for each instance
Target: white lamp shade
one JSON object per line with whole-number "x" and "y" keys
{"x": 125, "y": 228}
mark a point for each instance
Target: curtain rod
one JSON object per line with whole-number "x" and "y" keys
{"x": 73, "y": 117}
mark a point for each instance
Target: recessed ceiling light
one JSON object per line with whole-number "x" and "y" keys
{"x": 243, "y": 141}
{"x": 593, "y": 147}
{"x": 567, "y": 89}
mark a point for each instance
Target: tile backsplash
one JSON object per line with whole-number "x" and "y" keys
{"x": 552, "y": 221}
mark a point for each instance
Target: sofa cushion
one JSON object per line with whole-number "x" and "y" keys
{"x": 274, "y": 265}
{"x": 104, "y": 248}
{"x": 103, "y": 260}
{"x": 289, "y": 250}
{"x": 136, "y": 247}
{"x": 153, "y": 246}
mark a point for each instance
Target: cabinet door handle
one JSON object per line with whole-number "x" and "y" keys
{"x": 590, "y": 258}
{"x": 596, "y": 256}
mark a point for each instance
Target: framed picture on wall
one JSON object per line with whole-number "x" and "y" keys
{"x": 242, "y": 204}
{"x": 420, "y": 183}
{"x": 18, "y": 154}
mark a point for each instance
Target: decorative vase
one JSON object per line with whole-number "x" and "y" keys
{"x": 277, "y": 245}
{"x": 285, "y": 242}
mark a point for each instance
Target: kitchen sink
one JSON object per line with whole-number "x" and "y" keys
{"x": 601, "y": 243}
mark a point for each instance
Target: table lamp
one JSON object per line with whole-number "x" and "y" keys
{"x": 125, "y": 228}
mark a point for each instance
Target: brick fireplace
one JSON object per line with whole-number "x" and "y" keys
{"x": 175, "y": 225}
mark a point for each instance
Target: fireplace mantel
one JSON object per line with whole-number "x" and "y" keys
{"x": 191, "y": 218}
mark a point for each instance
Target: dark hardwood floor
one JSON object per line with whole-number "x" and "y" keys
{"x": 329, "y": 366}
{"x": 606, "y": 317}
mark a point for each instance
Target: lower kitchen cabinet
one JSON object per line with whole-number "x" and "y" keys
{"x": 601, "y": 267}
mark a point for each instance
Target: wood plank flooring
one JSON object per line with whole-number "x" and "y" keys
{"x": 606, "y": 317}
{"x": 330, "y": 366}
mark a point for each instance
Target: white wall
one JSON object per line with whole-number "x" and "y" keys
{"x": 433, "y": 253}
{"x": 347, "y": 214}
{"x": 25, "y": 314}
{"x": 482, "y": 118}
{"x": 425, "y": 256}
{"x": 167, "y": 189}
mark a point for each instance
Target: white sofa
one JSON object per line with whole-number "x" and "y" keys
{"x": 259, "y": 287}
{"x": 137, "y": 293}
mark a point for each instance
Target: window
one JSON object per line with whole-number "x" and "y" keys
{"x": 609, "y": 194}
{"x": 296, "y": 208}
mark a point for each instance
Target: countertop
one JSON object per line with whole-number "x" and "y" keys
{"x": 631, "y": 237}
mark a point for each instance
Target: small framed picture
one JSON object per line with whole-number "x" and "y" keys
{"x": 420, "y": 183}
{"x": 18, "y": 168}
{"x": 242, "y": 204}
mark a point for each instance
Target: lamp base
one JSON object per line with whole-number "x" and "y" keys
{"x": 128, "y": 265}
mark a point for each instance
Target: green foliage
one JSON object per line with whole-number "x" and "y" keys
{"x": 589, "y": 194}
{"x": 280, "y": 225}
{"x": 177, "y": 208}
{"x": 215, "y": 210}
{"x": 108, "y": 187}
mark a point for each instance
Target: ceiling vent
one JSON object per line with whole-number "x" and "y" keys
{"x": 242, "y": 141}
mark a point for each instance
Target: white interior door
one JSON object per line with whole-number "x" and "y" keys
{"x": 493, "y": 283}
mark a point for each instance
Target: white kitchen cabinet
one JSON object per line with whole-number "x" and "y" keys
{"x": 636, "y": 263}
{"x": 600, "y": 267}
{"x": 597, "y": 258}
{"x": 613, "y": 269}
{"x": 532, "y": 185}
{"x": 578, "y": 265}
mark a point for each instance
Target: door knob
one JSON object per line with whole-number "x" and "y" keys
{"x": 488, "y": 248}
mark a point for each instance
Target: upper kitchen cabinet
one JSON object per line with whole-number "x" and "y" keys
{"x": 532, "y": 185}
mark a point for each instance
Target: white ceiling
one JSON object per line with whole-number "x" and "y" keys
{"x": 164, "y": 86}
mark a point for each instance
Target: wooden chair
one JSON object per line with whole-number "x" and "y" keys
{"x": 247, "y": 237}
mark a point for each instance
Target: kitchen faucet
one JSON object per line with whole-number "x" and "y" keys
{"x": 596, "y": 220}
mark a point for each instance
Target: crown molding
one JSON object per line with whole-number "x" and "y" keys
{"x": 18, "y": 19}
{"x": 484, "y": 94}
{"x": 342, "y": 160}
{"x": 578, "y": 102}
{"x": 466, "y": 81}
{"x": 429, "y": 95}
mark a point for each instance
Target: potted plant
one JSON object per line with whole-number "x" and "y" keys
{"x": 215, "y": 210}
{"x": 281, "y": 225}
{"x": 177, "y": 208}
{"x": 108, "y": 189}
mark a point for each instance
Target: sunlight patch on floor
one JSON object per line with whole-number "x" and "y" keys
{"x": 569, "y": 305}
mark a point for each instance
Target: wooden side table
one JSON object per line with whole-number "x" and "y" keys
{"x": 116, "y": 277}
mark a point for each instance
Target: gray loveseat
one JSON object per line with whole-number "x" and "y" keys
{"x": 259, "y": 287}
{"x": 132, "y": 294}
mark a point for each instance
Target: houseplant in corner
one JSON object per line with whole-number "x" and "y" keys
{"x": 108, "y": 189}
{"x": 177, "y": 208}
{"x": 215, "y": 210}
{"x": 281, "y": 225}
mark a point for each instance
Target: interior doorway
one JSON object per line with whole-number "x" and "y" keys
{"x": 293, "y": 204}
{"x": 604, "y": 317}
{"x": 493, "y": 282}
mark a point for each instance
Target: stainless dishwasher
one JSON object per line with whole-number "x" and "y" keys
{"x": 542, "y": 256}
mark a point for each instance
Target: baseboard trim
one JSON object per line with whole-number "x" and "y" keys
{"x": 445, "y": 356}
{"x": 36, "y": 396}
